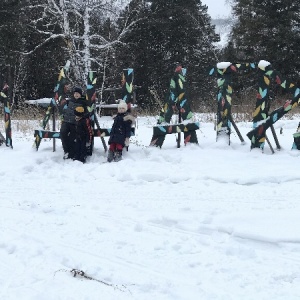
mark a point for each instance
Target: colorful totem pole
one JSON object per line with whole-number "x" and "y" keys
{"x": 127, "y": 96}
{"x": 127, "y": 91}
{"x": 6, "y": 103}
{"x": 91, "y": 102}
{"x": 127, "y": 86}
{"x": 176, "y": 101}
{"x": 263, "y": 101}
{"x": 91, "y": 105}
{"x": 224, "y": 72}
{"x": 58, "y": 101}
{"x": 262, "y": 121}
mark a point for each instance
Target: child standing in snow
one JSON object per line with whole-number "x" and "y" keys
{"x": 84, "y": 134}
{"x": 120, "y": 132}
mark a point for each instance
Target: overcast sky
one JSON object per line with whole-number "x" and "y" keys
{"x": 217, "y": 8}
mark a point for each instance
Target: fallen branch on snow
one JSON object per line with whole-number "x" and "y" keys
{"x": 81, "y": 274}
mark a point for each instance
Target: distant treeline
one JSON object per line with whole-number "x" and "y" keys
{"x": 38, "y": 36}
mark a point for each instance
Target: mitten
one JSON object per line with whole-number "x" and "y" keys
{"x": 127, "y": 142}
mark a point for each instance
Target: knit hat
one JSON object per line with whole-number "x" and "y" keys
{"x": 178, "y": 68}
{"x": 79, "y": 111}
{"x": 78, "y": 90}
{"x": 122, "y": 104}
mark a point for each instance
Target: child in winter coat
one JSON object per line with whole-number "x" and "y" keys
{"x": 120, "y": 133}
{"x": 84, "y": 134}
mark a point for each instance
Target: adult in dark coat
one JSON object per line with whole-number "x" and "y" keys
{"x": 120, "y": 133}
{"x": 84, "y": 134}
{"x": 68, "y": 126}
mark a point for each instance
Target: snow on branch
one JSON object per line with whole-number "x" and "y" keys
{"x": 52, "y": 37}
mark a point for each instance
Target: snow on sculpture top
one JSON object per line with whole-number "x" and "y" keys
{"x": 263, "y": 64}
{"x": 223, "y": 65}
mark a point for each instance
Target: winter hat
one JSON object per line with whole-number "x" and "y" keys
{"x": 178, "y": 68}
{"x": 122, "y": 104}
{"x": 78, "y": 90}
{"x": 79, "y": 111}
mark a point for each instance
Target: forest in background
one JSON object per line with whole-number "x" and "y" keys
{"x": 107, "y": 36}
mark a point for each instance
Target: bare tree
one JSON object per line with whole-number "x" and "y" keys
{"x": 79, "y": 24}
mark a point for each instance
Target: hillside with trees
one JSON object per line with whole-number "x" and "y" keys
{"x": 106, "y": 36}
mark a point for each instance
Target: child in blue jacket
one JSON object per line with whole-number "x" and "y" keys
{"x": 120, "y": 132}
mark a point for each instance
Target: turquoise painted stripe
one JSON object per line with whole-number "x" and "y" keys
{"x": 275, "y": 118}
{"x": 161, "y": 128}
{"x": 182, "y": 103}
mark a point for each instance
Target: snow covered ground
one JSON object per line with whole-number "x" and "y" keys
{"x": 209, "y": 222}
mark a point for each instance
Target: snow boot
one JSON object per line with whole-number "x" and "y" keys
{"x": 118, "y": 156}
{"x": 110, "y": 156}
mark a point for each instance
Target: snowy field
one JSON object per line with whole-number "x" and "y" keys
{"x": 207, "y": 221}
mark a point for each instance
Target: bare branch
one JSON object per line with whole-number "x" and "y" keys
{"x": 52, "y": 37}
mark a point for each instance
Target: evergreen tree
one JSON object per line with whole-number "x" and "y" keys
{"x": 269, "y": 30}
{"x": 134, "y": 52}
{"x": 169, "y": 32}
{"x": 11, "y": 41}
